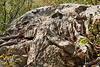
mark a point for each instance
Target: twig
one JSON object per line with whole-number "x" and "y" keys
{"x": 98, "y": 48}
{"x": 85, "y": 60}
{"x": 11, "y": 37}
{"x": 91, "y": 42}
{"x": 93, "y": 62}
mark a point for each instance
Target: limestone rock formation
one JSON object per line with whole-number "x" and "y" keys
{"x": 49, "y": 36}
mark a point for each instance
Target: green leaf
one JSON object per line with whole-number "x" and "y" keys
{"x": 99, "y": 54}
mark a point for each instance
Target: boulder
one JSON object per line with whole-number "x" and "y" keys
{"x": 49, "y": 36}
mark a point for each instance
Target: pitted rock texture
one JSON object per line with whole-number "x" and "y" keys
{"x": 49, "y": 35}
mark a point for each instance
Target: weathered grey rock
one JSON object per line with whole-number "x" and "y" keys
{"x": 50, "y": 35}
{"x": 8, "y": 43}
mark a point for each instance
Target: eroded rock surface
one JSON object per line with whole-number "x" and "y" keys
{"x": 49, "y": 36}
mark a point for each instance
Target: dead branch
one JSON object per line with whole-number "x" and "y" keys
{"x": 11, "y": 37}
{"x": 93, "y": 62}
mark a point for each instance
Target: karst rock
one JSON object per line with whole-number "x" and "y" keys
{"x": 49, "y": 36}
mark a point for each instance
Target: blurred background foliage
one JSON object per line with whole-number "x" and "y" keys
{"x": 11, "y": 9}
